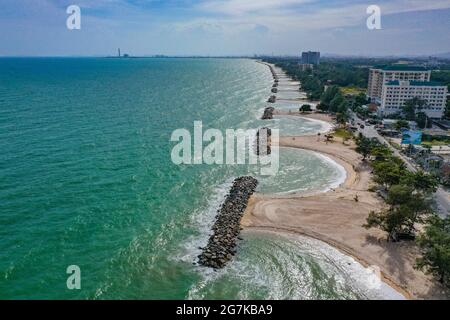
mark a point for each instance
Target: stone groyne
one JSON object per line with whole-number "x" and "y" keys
{"x": 268, "y": 113}
{"x": 222, "y": 244}
{"x": 263, "y": 142}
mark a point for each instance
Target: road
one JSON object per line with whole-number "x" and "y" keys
{"x": 441, "y": 197}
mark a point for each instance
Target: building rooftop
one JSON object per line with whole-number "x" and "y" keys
{"x": 401, "y": 68}
{"x": 417, "y": 83}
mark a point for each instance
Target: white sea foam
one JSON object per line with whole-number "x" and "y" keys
{"x": 342, "y": 173}
{"x": 202, "y": 220}
{"x": 326, "y": 126}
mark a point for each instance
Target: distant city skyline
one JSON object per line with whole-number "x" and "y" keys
{"x": 224, "y": 28}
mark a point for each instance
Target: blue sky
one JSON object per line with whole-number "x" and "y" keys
{"x": 223, "y": 27}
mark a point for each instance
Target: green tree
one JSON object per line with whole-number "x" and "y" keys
{"x": 337, "y": 102}
{"x": 328, "y": 95}
{"x": 413, "y": 206}
{"x": 361, "y": 99}
{"x": 381, "y": 153}
{"x": 388, "y": 173}
{"x": 342, "y": 117}
{"x": 421, "y": 182}
{"x": 423, "y": 121}
{"x": 343, "y": 106}
{"x": 401, "y": 124}
{"x": 388, "y": 220}
{"x": 435, "y": 245}
{"x": 305, "y": 108}
{"x": 363, "y": 146}
{"x": 412, "y": 106}
{"x": 406, "y": 209}
{"x": 322, "y": 107}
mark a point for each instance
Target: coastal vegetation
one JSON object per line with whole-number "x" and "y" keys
{"x": 413, "y": 111}
{"x": 342, "y": 133}
{"x": 305, "y": 108}
{"x": 435, "y": 244}
{"x": 408, "y": 196}
{"x": 401, "y": 124}
{"x": 349, "y": 74}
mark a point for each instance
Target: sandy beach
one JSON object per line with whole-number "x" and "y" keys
{"x": 336, "y": 218}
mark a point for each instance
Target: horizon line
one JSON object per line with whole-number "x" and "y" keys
{"x": 248, "y": 56}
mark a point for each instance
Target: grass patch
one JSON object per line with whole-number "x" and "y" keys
{"x": 342, "y": 133}
{"x": 352, "y": 91}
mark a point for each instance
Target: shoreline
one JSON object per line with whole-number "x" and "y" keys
{"x": 327, "y": 127}
{"x": 342, "y": 249}
{"x": 336, "y": 218}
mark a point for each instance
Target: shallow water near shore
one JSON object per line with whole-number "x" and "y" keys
{"x": 291, "y": 125}
{"x": 280, "y": 266}
{"x": 87, "y": 180}
{"x": 302, "y": 171}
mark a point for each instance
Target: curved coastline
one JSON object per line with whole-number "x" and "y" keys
{"x": 336, "y": 218}
{"x": 338, "y": 246}
{"x": 342, "y": 179}
{"x": 326, "y": 127}
{"x": 346, "y": 188}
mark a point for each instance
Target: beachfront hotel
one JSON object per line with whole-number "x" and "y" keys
{"x": 310, "y": 58}
{"x": 380, "y": 76}
{"x": 396, "y": 93}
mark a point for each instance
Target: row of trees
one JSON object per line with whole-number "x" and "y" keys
{"x": 408, "y": 196}
{"x": 346, "y": 73}
{"x": 332, "y": 100}
{"x": 340, "y": 73}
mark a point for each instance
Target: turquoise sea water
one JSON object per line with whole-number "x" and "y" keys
{"x": 86, "y": 179}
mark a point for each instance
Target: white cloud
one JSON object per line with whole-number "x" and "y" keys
{"x": 240, "y": 7}
{"x": 279, "y": 15}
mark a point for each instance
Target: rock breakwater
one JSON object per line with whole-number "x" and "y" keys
{"x": 222, "y": 244}
{"x": 263, "y": 142}
{"x": 268, "y": 113}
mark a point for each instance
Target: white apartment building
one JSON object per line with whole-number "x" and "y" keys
{"x": 395, "y": 93}
{"x": 380, "y": 76}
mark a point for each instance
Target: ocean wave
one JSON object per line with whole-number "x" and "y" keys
{"x": 271, "y": 265}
